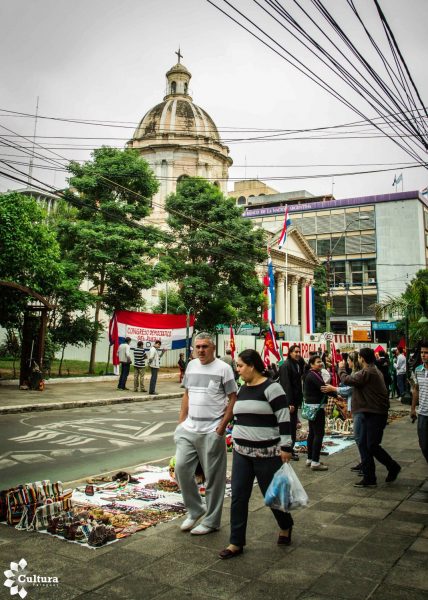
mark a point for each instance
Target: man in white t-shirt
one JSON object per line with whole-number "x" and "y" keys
{"x": 206, "y": 409}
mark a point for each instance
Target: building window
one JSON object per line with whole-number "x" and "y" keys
{"x": 184, "y": 176}
{"x": 338, "y": 245}
{"x": 242, "y": 200}
{"x": 323, "y": 247}
{"x": 371, "y": 272}
{"x": 217, "y": 184}
{"x": 186, "y": 86}
{"x": 173, "y": 87}
{"x": 357, "y": 270}
{"x": 338, "y": 273}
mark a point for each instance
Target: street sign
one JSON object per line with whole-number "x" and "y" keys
{"x": 384, "y": 325}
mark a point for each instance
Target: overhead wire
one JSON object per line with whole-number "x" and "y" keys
{"x": 308, "y": 72}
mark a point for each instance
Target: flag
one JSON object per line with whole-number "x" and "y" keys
{"x": 398, "y": 179}
{"x": 287, "y": 223}
{"x": 269, "y": 292}
{"x": 232, "y": 342}
{"x": 148, "y": 327}
{"x": 334, "y": 360}
{"x": 271, "y": 345}
{"x": 310, "y": 309}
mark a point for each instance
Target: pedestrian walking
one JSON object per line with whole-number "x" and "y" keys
{"x": 154, "y": 358}
{"x": 346, "y": 391}
{"x": 290, "y": 378}
{"x": 206, "y": 409}
{"x": 227, "y": 358}
{"x": 370, "y": 398}
{"x": 419, "y": 408}
{"x": 262, "y": 442}
{"x": 182, "y": 366}
{"x": 124, "y": 355}
{"x": 400, "y": 367}
{"x": 315, "y": 397}
{"x": 139, "y": 367}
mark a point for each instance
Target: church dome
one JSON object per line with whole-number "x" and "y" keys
{"x": 177, "y": 116}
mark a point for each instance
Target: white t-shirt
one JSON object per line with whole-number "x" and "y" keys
{"x": 208, "y": 387}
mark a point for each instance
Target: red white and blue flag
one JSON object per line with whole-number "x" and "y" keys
{"x": 283, "y": 236}
{"x": 232, "y": 345}
{"x": 148, "y": 327}
{"x": 310, "y": 309}
{"x": 269, "y": 292}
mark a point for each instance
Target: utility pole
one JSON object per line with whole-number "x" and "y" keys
{"x": 30, "y": 170}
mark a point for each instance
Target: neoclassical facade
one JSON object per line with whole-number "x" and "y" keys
{"x": 294, "y": 268}
{"x": 179, "y": 139}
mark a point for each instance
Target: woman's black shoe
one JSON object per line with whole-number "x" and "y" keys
{"x": 226, "y": 553}
{"x": 357, "y": 468}
{"x": 285, "y": 540}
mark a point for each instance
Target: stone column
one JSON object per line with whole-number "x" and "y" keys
{"x": 303, "y": 308}
{"x": 294, "y": 308}
{"x": 287, "y": 303}
{"x": 280, "y": 299}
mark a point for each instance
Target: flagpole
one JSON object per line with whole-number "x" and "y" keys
{"x": 287, "y": 307}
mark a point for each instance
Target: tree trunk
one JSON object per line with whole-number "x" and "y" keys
{"x": 61, "y": 361}
{"x": 94, "y": 339}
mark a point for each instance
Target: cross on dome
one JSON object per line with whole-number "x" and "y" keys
{"x": 179, "y": 54}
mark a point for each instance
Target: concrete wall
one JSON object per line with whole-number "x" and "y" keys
{"x": 400, "y": 245}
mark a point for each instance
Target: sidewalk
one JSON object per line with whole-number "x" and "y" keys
{"x": 90, "y": 392}
{"x": 348, "y": 544}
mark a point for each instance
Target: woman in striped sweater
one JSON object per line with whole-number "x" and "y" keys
{"x": 262, "y": 442}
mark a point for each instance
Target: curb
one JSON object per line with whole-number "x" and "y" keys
{"x": 4, "y": 410}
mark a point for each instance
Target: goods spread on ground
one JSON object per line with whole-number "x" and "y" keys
{"x": 100, "y": 512}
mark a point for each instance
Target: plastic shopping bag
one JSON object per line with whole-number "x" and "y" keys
{"x": 285, "y": 491}
{"x": 298, "y": 496}
{"x": 278, "y": 493}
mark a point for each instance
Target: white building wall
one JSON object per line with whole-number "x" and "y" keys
{"x": 400, "y": 243}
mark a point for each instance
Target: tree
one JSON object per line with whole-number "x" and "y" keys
{"x": 409, "y": 307}
{"x": 175, "y": 303}
{"x": 29, "y": 255}
{"x": 106, "y": 238}
{"x": 320, "y": 291}
{"x": 213, "y": 258}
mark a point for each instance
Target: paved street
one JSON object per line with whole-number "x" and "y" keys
{"x": 76, "y": 443}
{"x": 349, "y": 544}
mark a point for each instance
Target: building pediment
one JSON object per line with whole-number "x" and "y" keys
{"x": 296, "y": 246}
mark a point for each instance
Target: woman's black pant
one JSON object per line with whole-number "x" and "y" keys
{"x": 244, "y": 470}
{"x": 315, "y": 436}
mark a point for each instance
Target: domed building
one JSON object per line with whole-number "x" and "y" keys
{"x": 179, "y": 139}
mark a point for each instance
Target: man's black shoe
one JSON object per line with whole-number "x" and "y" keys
{"x": 393, "y": 473}
{"x": 357, "y": 468}
{"x": 364, "y": 484}
{"x": 295, "y": 456}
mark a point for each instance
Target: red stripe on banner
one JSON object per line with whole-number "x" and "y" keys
{"x": 154, "y": 321}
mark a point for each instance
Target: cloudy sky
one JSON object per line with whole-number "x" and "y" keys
{"x": 105, "y": 60}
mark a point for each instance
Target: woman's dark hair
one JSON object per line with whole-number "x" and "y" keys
{"x": 253, "y": 359}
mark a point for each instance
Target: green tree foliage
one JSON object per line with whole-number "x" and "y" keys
{"x": 29, "y": 254}
{"x": 410, "y": 306}
{"x": 214, "y": 255}
{"x": 114, "y": 251}
{"x": 174, "y": 303}
{"x": 320, "y": 291}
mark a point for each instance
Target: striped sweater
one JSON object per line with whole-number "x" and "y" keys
{"x": 261, "y": 420}
{"x": 139, "y": 357}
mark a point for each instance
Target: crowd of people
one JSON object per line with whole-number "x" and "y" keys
{"x": 263, "y": 402}
{"x": 264, "y": 405}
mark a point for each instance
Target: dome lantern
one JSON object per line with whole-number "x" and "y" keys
{"x": 178, "y": 78}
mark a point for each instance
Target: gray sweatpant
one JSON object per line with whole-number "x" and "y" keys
{"x": 210, "y": 450}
